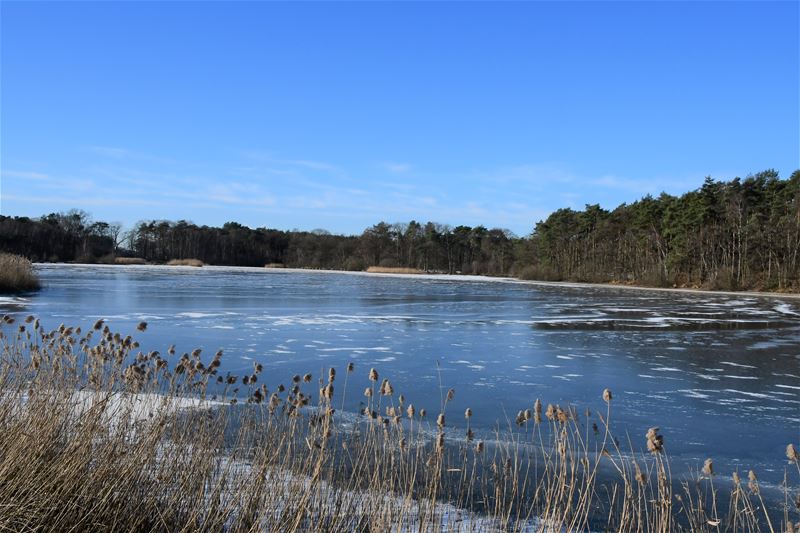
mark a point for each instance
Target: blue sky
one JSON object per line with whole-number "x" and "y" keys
{"x": 339, "y": 115}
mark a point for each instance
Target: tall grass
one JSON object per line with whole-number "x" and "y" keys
{"x": 393, "y": 270}
{"x": 129, "y": 261}
{"x": 96, "y": 434}
{"x": 185, "y": 262}
{"x": 16, "y": 274}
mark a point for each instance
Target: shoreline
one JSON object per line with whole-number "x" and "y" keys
{"x": 443, "y": 277}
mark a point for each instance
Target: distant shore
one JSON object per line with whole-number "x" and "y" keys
{"x": 449, "y": 277}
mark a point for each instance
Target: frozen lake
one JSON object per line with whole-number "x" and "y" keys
{"x": 719, "y": 374}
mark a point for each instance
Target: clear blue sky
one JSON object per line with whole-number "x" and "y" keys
{"x": 339, "y": 115}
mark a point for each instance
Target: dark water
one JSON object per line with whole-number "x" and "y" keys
{"x": 720, "y": 375}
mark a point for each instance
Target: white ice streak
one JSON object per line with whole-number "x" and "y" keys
{"x": 736, "y": 364}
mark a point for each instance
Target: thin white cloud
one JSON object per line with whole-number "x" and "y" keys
{"x": 120, "y": 153}
{"x": 111, "y": 151}
{"x": 397, "y": 168}
{"x": 80, "y": 201}
{"x": 272, "y": 187}
{"x": 308, "y": 164}
{"x": 25, "y": 175}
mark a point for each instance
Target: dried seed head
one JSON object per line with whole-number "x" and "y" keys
{"x": 350, "y": 368}
{"x": 537, "y": 406}
{"x": 655, "y": 442}
{"x": 373, "y": 374}
{"x": 479, "y": 446}
{"x": 736, "y": 479}
{"x": 550, "y": 413}
{"x": 296, "y": 378}
{"x": 307, "y": 378}
{"x": 410, "y": 411}
{"x": 368, "y": 392}
{"x": 98, "y": 324}
{"x": 423, "y": 413}
{"x": 791, "y": 453}
{"x": 440, "y": 420}
{"x": 527, "y": 414}
{"x": 468, "y": 413}
{"x": 470, "y": 435}
{"x": 752, "y": 482}
{"x": 142, "y": 326}
{"x": 708, "y": 468}
{"x": 327, "y": 392}
{"x": 331, "y": 374}
{"x": 607, "y": 395}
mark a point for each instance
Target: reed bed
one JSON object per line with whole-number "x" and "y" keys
{"x": 185, "y": 262}
{"x": 96, "y": 434}
{"x": 16, "y": 274}
{"x": 393, "y": 270}
{"x": 129, "y": 261}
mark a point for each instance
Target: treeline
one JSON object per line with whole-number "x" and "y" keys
{"x": 430, "y": 247}
{"x": 738, "y": 234}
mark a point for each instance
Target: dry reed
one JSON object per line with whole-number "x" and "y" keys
{"x": 185, "y": 262}
{"x": 129, "y": 261}
{"x": 16, "y": 274}
{"x": 393, "y": 270}
{"x": 97, "y": 435}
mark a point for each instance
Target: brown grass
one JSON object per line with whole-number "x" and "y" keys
{"x": 16, "y": 274}
{"x": 274, "y": 265}
{"x": 185, "y": 262}
{"x": 394, "y": 270}
{"x": 129, "y": 261}
{"x": 98, "y": 435}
